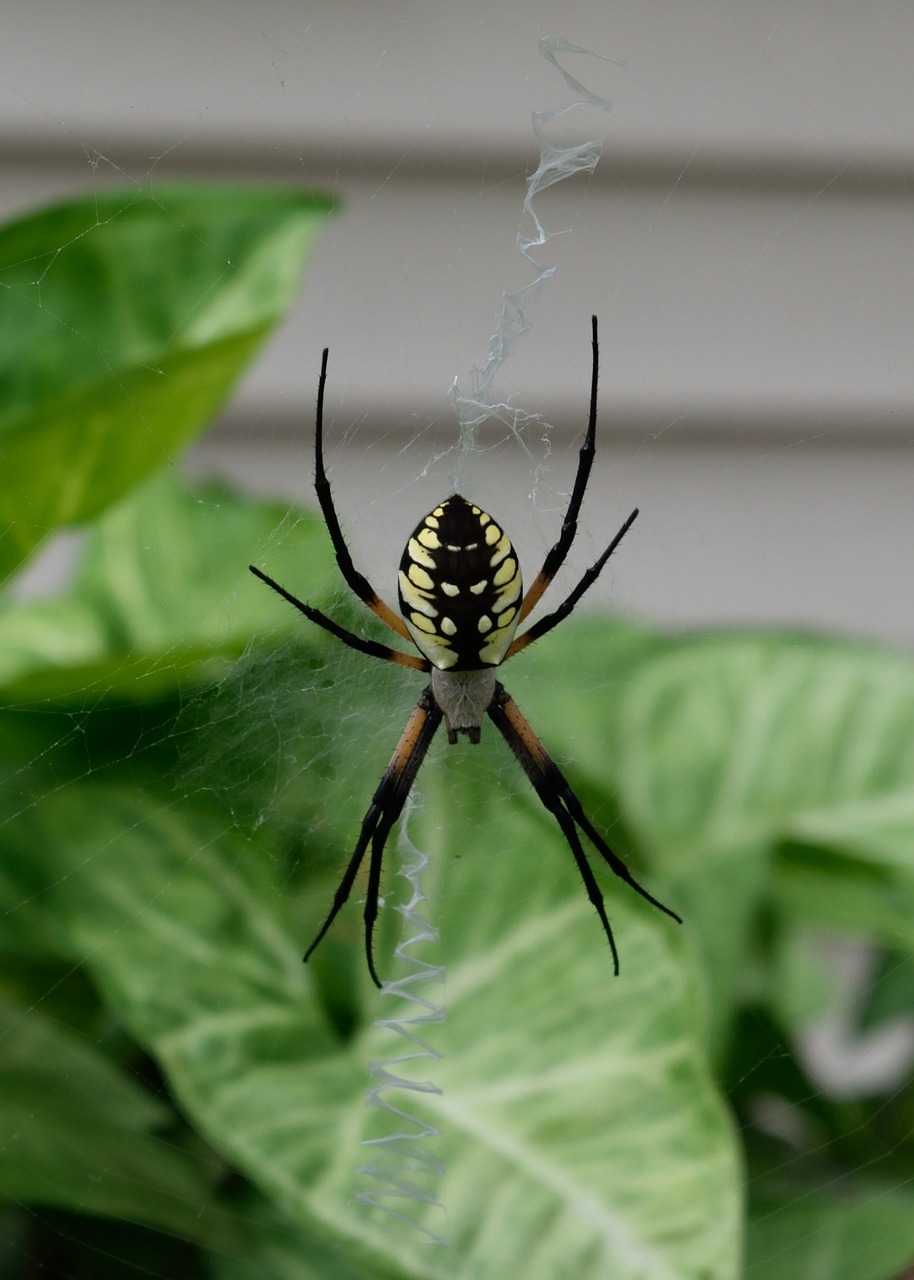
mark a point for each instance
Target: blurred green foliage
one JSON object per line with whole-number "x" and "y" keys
{"x": 184, "y": 767}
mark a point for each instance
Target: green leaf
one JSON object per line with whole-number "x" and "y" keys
{"x": 277, "y": 1248}
{"x": 724, "y": 750}
{"x": 580, "y": 1130}
{"x": 841, "y": 895}
{"x": 891, "y": 993}
{"x": 833, "y": 1237}
{"x": 804, "y": 985}
{"x": 576, "y": 1101}
{"x": 77, "y": 1133}
{"x": 877, "y": 829}
{"x": 162, "y": 595}
{"x": 746, "y": 739}
{"x": 126, "y": 321}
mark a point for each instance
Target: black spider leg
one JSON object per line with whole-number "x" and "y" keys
{"x": 555, "y": 792}
{"x": 371, "y": 647}
{"x": 553, "y": 619}
{"x": 556, "y": 557}
{"x": 386, "y": 806}
{"x": 356, "y": 581}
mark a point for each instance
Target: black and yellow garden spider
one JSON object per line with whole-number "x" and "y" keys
{"x": 462, "y": 600}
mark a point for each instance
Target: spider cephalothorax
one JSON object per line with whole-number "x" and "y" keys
{"x": 462, "y": 598}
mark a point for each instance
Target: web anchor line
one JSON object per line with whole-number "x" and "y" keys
{"x": 404, "y": 1170}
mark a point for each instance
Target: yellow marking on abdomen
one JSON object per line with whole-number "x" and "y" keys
{"x": 506, "y": 572}
{"x": 422, "y": 579}
{"x": 429, "y": 538}
{"x": 416, "y": 599}
{"x": 503, "y": 548}
{"x": 418, "y": 553}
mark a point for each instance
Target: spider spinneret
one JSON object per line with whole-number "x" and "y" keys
{"x": 461, "y": 596}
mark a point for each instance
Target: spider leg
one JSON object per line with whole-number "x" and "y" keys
{"x": 357, "y": 582}
{"x": 555, "y": 792}
{"x": 556, "y": 556}
{"x": 553, "y": 619}
{"x": 386, "y": 806}
{"x": 371, "y": 647}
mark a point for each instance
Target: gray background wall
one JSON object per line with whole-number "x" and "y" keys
{"x": 746, "y": 240}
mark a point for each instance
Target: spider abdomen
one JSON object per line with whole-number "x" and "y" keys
{"x": 460, "y": 587}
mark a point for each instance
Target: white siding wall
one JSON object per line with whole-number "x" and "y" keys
{"x": 747, "y": 240}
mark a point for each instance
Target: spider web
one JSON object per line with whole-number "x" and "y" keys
{"x": 729, "y": 520}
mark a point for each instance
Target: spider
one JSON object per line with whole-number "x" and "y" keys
{"x": 462, "y": 600}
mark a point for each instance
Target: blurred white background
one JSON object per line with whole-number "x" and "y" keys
{"x": 747, "y": 241}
